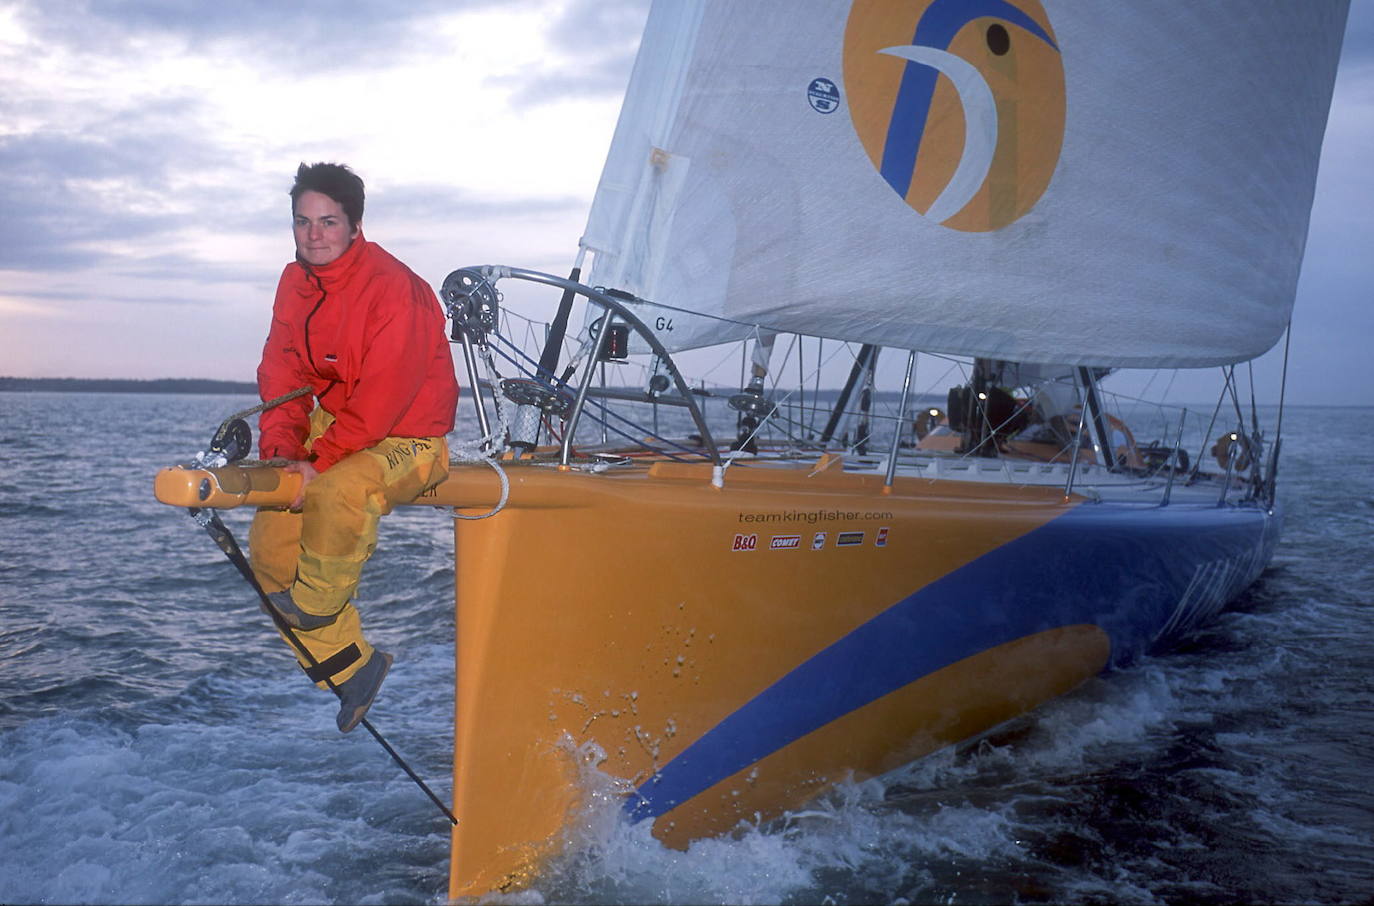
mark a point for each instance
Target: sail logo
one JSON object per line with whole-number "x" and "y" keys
{"x": 823, "y": 96}
{"x": 959, "y": 104}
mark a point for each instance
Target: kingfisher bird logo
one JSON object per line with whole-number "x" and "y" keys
{"x": 959, "y": 104}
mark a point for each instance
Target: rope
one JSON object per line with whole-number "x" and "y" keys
{"x": 500, "y": 474}
{"x": 224, "y": 540}
{"x": 487, "y": 449}
{"x": 299, "y": 391}
{"x": 213, "y": 459}
{"x": 483, "y": 450}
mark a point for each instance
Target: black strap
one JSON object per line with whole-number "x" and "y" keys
{"x": 217, "y": 530}
{"x": 333, "y": 664}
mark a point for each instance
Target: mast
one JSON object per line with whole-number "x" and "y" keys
{"x": 1098, "y": 419}
{"x": 861, "y": 363}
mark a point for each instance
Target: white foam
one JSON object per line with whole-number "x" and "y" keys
{"x": 197, "y": 813}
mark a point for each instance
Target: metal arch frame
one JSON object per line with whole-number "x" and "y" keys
{"x": 615, "y": 308}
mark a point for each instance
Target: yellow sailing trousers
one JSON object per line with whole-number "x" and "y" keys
{"x": 319, "y": 552}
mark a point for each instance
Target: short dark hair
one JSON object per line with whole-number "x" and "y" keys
{"x": 334, "y": 180}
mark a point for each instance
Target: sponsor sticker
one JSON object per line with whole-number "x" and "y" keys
{"x": 849, "y": 539}
{"x": 745, "y": 543}
{"x": 823, "y": 96}
{"x": 818, "y": 541}
{"x": 785, "y": 542}
{"x": 881, "y": 540}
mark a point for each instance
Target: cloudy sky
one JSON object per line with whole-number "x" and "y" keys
{"x": 146, "y": 147}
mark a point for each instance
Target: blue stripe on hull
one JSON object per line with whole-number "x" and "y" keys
{"x": 1125, "y": 569}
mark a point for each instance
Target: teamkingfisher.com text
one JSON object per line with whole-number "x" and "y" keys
{"x": 811, "y": 517}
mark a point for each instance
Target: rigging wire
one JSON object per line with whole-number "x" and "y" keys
{"x": 1278, "y": 427}
{"x": 514, "y": 357}
{"x": 1233, "y": 386}
{"x": 1207, "y": 435}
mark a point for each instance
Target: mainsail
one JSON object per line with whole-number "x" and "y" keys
{"x": 1118, "y": 184}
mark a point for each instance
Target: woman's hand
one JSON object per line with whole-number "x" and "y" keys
{"x": 307, "y": 473}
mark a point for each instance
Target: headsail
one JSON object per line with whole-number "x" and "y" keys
{"x": 1123, "y": 184}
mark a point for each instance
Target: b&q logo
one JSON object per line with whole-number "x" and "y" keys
{"x": 959, "y": 104}
{"x": 746, "y": 543}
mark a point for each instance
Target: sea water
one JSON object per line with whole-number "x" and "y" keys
{"x": 157, "y": 744}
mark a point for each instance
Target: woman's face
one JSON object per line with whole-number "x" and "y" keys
{"x": 321, "y": 228}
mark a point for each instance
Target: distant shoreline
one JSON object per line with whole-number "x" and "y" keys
{"x": 199, "y": 385}
{"x": 248, "y": 388}
{"x": 126, "y": 385}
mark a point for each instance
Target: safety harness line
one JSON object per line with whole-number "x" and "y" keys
{"x": 219, "y": 454}
{"x": 224, "y": 539}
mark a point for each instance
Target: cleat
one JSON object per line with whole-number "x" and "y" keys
{"x": 357, "y": 692}
{"x": 287, "y": 609}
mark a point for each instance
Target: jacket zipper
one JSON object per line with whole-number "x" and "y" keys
{"x": 309, "y": 352}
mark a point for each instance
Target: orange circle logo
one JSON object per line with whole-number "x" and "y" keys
{"x": 959, "y": 104}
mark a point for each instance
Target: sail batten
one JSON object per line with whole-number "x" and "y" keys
{"x": 1139, "y": 197}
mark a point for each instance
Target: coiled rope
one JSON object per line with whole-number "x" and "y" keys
{"x": 487, "y": 449}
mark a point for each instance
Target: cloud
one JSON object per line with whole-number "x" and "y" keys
{"x": 320, "y": 34}
{"x": 1358, "y": 48}
{"x": 130, "y": 125}
{"x": 130, "y": 178}
{"x": 22, "y": 299}
{"x": 592, "y": 47}
{"x": 146, "y": 148}
{"x": 51, "y": 222}
{"x": 606, "y": 77}
{"x": 442, "y": 203}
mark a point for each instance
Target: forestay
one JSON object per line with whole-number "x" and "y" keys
{"x": 1123, "y": 184}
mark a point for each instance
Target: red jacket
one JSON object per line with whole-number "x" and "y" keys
{"x": 368, "y": 336}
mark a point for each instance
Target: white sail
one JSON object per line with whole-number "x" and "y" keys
{"x": 1123, "y": 184}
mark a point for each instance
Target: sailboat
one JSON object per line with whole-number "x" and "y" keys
{"x": 711, "y": 601}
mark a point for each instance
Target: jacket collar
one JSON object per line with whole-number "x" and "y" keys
{"x": 331, "y": 275}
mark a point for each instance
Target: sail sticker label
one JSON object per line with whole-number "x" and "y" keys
{"x": 849, "y": 539}
{"x": 785, "y": 543}
{"x": 818, "y": 541}
{"x": 881, "y": 540}
{"x": 745, "y": 543}
{"x": 911, "y": 67}
{"x": 823, "y": 96}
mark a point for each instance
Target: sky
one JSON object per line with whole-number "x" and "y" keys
{"x": 146, "y": 148}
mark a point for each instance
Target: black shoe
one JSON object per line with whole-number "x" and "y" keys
{"x": 357, "y": 692}
{"x": 287, "y": 609}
